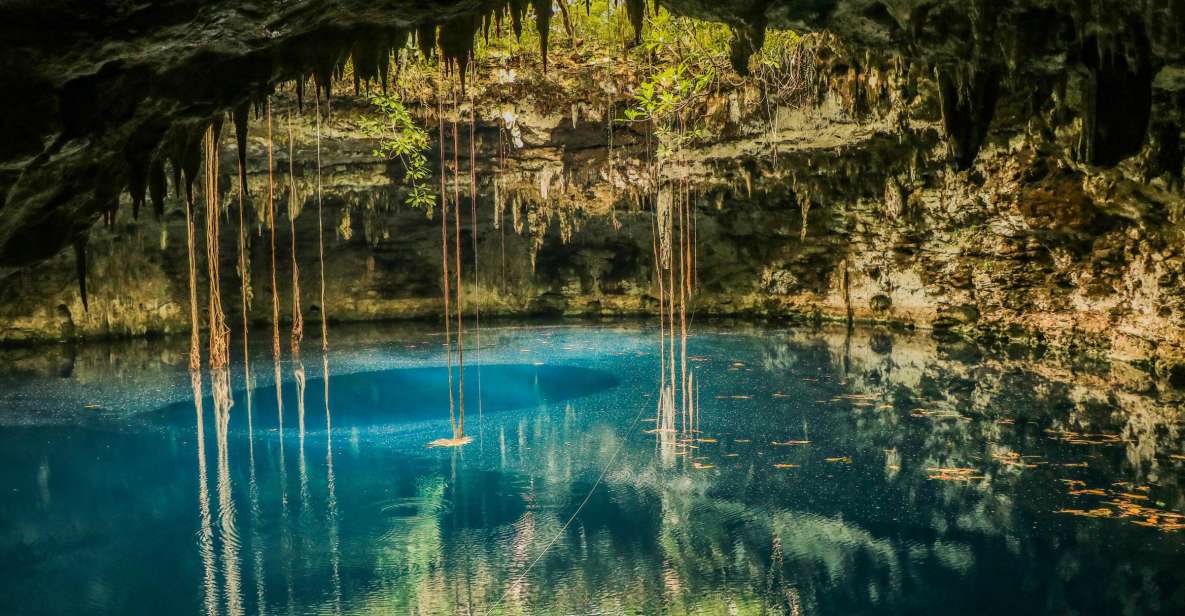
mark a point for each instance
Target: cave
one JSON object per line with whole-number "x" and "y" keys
{"x": 592, "y": 307}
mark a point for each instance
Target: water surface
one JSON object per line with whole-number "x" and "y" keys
{"x": 824, "y": 472}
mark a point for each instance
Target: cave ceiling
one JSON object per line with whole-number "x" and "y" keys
{"x": 94, "y": 92}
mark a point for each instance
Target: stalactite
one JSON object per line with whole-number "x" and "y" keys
{"x": 636, "y": 9}
{"x": 518, "y": 10}
{"x": 218, "y": 331}
{"x": 137, "y": 183}
{"x": 157, "y": 185}
{"x": 175, "y": 152}
{"x": 543, "y": 23}
{"x": 191, "y": 158}
{"x": 426, "y": 38}
{"x": 456, "y": 45}
{"x": 323, "y": 76}
{"x": 80, "y": 269}
{"x": 516, "y": 213}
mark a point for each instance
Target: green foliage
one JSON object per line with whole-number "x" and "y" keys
{"x": 680, "y": 62}
{"x": 688, "y": 59}
{"x": 400, "y": 137}
{"x": 664, "y": 100}
{"x": 670, "y": 39}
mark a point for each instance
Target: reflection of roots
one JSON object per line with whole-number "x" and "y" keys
{"x": 460, "y": 441}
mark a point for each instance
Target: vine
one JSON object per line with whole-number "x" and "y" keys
{"x": 401, "y": 138}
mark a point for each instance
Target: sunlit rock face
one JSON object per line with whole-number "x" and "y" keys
{"x": 1008, "y": 170}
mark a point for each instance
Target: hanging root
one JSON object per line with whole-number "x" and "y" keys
{"x": 321, "y": 236}
{"x": 444, "y": 256}
{"x": 297, "y": 317}
{"x": 219, "y": 332}
{"x": 457, "y": 252}
{"x": 473, "y": 221}
{"x": 195, "y": 352}
{"x": 80, "y": 268}
{"x": 244, "y": 268}
{"x": 271, "y": 221}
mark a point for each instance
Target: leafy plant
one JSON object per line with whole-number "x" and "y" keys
{"x": 665, "y": 99}
{"x": 400, "y": 137}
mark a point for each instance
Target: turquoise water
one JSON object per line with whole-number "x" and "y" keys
{"x": 823, "y": 472}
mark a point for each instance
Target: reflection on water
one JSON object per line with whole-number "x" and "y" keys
{"x": 797, "y": 472}
{"x": 206, "y": 531}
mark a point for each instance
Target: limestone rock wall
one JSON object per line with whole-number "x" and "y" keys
{"x": 1006, "y": 171}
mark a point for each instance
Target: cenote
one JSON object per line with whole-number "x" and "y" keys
{"x": 494, "y": 307}
{"x": 823, "y": 473}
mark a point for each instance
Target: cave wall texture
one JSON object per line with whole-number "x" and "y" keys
{"x": 1009, "y": 170}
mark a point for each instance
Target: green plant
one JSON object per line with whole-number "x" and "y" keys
{"x": 401, "y": 138}
{"x": 665, "y": 99}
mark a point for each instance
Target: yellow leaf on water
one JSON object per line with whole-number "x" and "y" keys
{"x": 451, "y": 442}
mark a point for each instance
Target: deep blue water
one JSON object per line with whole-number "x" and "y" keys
{"x": 823, "y": 473}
